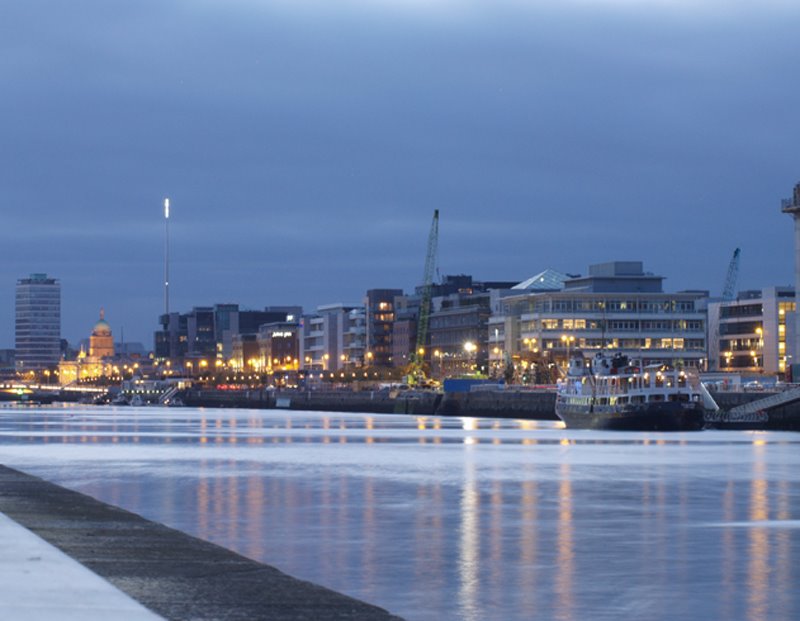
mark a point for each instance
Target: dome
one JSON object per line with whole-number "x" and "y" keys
{"x": 101, "y": 328}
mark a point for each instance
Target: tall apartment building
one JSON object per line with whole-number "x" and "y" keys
{"x": 380, "y": 315}
{"x": 753, "y": 333}
{"x": 38, "y": 322}
{"x": 616, "y": 307}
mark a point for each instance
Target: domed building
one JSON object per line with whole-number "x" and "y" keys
{"x": 101, "y": 342}
{"x": 97, "y": 363}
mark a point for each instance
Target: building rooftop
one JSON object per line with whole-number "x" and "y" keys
{"x": 548, "y": 280}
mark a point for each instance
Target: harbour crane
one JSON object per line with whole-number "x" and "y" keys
{"x": 728, "y": 293}
{"x": 417, "y": 374}
{"x": 730, "y": 280}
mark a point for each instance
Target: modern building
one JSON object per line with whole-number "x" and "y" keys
{"x": 404, "y": 329}
{"x": 458, "y": 328}
{"x": 755, "y": 331}
{"x": 791, "y": 206}
{"x": 279, "y": 346}
{"x": 209, "y": 331}
{"x": 38, "y": 323}
{"x": 458, "y": 316}
{"x": 333, "y": 338}
{"x": 171, "y": 340}
{"x": 246, "y": 354}
{"x": 380, "y": 315}
{"x": 617, "y": 307}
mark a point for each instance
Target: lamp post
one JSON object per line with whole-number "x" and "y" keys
{"x": 470, "y": 348}
{"x": 567, "y": 339}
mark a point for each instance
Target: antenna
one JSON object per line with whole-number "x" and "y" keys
{"x": 166, "y": 257}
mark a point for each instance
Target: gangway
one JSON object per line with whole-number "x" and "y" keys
{"x": 166, "y": 397}
{"x": 767, "y": 403}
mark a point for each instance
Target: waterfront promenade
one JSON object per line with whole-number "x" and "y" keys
{"x": 45, "y": 567}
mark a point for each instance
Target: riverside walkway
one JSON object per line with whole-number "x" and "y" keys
{"x": 69, "y": 556}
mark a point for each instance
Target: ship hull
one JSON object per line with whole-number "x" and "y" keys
{"x": 665, "y": 416}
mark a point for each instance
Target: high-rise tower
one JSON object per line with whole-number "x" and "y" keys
{"x": 792, "y": 207}
{"x": 38, "y": 322}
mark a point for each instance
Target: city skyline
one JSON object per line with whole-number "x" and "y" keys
{"x": 304, "y": 147}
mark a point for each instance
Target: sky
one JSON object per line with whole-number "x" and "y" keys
{"x": 304, "y": 145}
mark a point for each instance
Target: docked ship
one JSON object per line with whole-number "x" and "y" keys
{"x": 613, "y": 392}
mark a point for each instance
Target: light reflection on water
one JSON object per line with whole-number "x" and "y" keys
{"x": 453, "y": 518}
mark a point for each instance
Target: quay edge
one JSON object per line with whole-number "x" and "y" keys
{"x": 534, "y": 405}
{"x": 171, "y": 573}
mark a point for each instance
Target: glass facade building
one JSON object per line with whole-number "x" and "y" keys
{"x": 38, "y": 323}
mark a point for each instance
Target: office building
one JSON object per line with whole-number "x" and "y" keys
{"x": 38, "y": 323}
{"x": 755, "y": 332}
{"x": 617, "y": 307}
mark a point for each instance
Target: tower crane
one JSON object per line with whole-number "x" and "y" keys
{"x": 728, "y": 293}
{"x": 417, "y": 374}
{"x": 730, "y": 280}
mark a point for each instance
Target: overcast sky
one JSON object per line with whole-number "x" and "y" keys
{"x": 305, "y": 144}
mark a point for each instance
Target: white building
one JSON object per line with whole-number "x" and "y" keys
{"x": 617, "y": 307}
{"x": 333, "y": 338}
{"x": 753, "y": 333}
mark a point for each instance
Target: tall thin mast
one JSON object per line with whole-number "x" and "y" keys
{"x": 166, "y": 256}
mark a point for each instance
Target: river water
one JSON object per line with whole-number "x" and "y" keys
{"x": 446, "y": 518}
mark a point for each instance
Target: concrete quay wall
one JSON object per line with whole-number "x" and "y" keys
{"x": 539, "y": 405}
{"x": 173, "y": 574}
{"x": 493, "y": 404}
{"x": 381, "y": 402}
{"x": 729, "y": 400}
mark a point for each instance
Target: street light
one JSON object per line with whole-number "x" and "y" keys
{"x": 439, "y": 354}
{"x": 470, "y": 348}
{"x": 567, "y": 338}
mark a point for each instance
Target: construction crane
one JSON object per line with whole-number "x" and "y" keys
{"x": 416, "y": 373}
{"x": 728, "y": 293}
{"x": 730, "y": 280}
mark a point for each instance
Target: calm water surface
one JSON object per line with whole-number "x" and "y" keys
{"x": 439, "y": 519}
